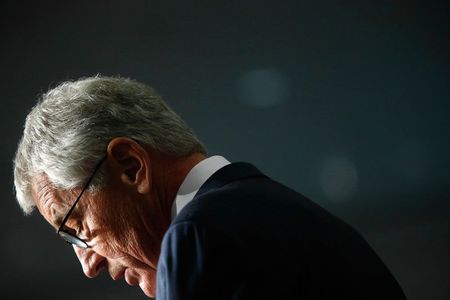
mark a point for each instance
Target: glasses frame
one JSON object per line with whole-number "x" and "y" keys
{"x": 65, "y": 234}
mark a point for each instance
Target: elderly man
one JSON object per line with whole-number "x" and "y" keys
{"x": 123, "y": 179}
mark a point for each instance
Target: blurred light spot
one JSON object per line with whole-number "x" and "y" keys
{"x": 411, "y": 160}
{"x": 338, "y": 178}
{"x": 264, "y": 88}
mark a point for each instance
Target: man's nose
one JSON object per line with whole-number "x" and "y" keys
{"x": 91, "y": 261}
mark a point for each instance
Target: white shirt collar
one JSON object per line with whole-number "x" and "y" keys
{"x": 196, "y": 177}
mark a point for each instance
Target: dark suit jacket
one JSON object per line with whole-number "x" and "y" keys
{"x": 245, "y": 236}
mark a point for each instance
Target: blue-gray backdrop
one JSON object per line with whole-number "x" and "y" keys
{"x": 344, "y": 101}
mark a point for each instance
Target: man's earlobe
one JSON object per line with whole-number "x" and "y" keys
{"x": 143, "y": 187}
{"x": 144, "y": 177}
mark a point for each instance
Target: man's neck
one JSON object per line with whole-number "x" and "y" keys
{"x": 168, "y": 175}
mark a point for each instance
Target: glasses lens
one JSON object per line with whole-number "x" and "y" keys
{"x": 71, "y": 239}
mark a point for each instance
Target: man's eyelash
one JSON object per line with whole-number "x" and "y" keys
{"x": 79, "y": 229}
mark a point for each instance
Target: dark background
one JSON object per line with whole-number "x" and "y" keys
{"x": 344, "y": 101}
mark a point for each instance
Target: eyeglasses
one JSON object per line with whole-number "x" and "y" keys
{"x": 66, "y": 233}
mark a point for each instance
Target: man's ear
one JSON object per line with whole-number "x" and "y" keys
{"x": 130, "y": 162}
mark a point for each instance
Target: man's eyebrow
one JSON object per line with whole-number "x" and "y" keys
{"x": 57, "y": 216}
{"x": 59, "y": 213}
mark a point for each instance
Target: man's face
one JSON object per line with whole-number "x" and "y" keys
{"x": 116, "y": 222}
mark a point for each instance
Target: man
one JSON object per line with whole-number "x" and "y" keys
{"x": 123, "y": 179}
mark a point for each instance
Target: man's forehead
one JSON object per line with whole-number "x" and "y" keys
{"x": 46, "y": 197}
{"x": 42, "y": 190}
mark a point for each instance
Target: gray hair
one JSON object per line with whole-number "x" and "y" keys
{"x": 68, "y": 131}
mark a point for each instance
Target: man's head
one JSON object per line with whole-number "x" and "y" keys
{"x": 143, "y": 150}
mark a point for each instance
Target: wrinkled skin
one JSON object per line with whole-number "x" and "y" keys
{"x": 124, "y": 222}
